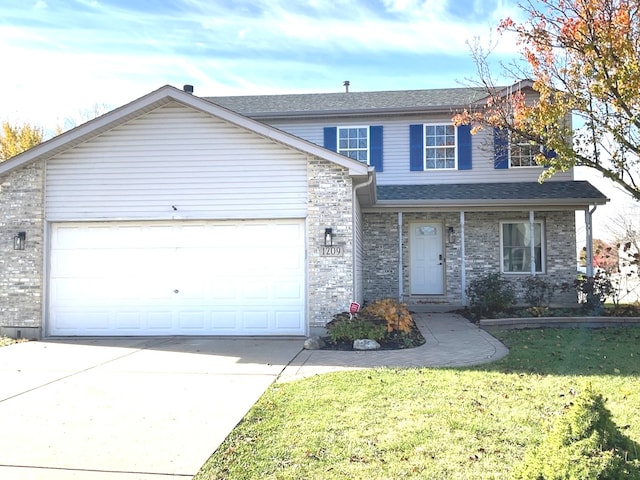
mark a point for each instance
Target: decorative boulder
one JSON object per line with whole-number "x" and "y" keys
{"x": 365, "y": 344}
{"x": 313, "y": 343}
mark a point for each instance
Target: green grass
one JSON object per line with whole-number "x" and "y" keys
{"x": 472, "y": 423}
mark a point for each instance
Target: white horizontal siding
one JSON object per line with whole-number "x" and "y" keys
{"x": 396, "y": 153}
{"x": 177, "y": 157}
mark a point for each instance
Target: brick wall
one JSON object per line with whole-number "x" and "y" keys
{"x": 329, "y": 206}
{"x": 21, "y": 209}
{"x": 380, "y": 258}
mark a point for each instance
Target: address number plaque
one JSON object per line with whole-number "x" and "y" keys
{"x": 331, "y": 251}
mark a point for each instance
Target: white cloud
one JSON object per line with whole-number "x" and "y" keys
{"x": 70, "y": 56}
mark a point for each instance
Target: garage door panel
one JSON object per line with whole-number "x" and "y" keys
{"x": 256, "y": 320}
{"x": 193, "y": 321}
{"x": 288, "y": 318}
{"x": 180, "y": 278}
{"x": 159, "y": 320}
{"x": 129, "y": 320}
{"x": 225, "y": 321}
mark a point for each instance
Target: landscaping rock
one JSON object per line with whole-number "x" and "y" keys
{"x": 313, "y": 343}
{"x": 365, "y": 344}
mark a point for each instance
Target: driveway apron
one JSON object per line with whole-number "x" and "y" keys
{"x": 128, "y": 408}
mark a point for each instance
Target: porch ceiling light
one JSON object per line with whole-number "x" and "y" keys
{"x": 451, "y": 236}
{"x": 19, "y": 241}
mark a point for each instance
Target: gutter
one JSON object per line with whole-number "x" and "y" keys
{"x": 479, "y": 202}
{"x": 353, "y": 230}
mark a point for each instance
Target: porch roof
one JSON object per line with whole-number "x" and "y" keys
{"x": 560, "y": 193}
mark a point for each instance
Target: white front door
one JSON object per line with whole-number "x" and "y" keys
{"x": 427, "y": 259}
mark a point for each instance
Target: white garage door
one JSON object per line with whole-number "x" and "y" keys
{"x": 179, "y": 278}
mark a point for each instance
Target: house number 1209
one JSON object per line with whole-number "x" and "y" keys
{"x": 332, "y": 251}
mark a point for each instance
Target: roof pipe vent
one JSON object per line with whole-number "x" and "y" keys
{"x": 346, "y": 84}
{"x": 188, "y": 89}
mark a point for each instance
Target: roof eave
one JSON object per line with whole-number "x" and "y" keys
{"x": 567, "y": 203}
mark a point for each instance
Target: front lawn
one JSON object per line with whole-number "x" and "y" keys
{"x": 472, "y": 423}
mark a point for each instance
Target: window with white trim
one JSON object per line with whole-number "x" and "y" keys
{"x": 515, "y": 246}
{"x": 440, "y": 146}
{"x": 354, "y": 143}
{"x": 522, "y": 153}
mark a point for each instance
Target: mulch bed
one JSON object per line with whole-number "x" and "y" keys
{"x": 393, "y": 341}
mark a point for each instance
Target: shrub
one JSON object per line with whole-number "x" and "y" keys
{"x": 537, "y": 291}
{"x": 584, "y": 444}
{"x": 345, "y": 329}
{"x": 593, "y": 291}
{"x": 490, "y": 294}
{"x": 394, "y": 313}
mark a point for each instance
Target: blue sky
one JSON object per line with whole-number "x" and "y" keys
{"x": 63, "y": 58}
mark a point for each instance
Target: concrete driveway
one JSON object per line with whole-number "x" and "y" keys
{"x": 127, "y": 408}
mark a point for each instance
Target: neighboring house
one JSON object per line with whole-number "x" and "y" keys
{"x": 180, "y": 215}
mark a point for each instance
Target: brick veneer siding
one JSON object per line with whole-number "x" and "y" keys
{"x": 482, "y": 251}
{"x": 21, "y": 209}
{"x": 380, "y": 257}
{"x": 329, "y": 206}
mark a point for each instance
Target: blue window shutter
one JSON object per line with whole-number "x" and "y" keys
{"x": 331, "y": 138}
{"x": 375, "y": 148}
{"x": 416, "y": 148}
{"x": 549, "y": 153}
{"x": 464, "y": 147}
{"x": 500, "y": 148}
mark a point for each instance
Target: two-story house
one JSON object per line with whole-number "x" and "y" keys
{"x": 266, "y": 215}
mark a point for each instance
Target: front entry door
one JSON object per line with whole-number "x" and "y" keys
{"x": 427, "y": 259}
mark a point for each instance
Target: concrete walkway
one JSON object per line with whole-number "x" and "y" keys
{"x": 451, "y": 341}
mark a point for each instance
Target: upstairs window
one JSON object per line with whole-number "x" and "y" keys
{"x": 363, "y": 144}
{"x": 442, "y": 146}
{"x": 353, "y": 142}
{"x": 511, "y": 151}
{"x": 515, "y": 242}
{"x": 522, "y": 153}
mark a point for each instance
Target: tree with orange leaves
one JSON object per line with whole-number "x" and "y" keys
{"x": 583, "y": 57}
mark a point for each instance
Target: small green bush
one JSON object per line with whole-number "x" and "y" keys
{"x": 537, "y": 291}
{"x": 345, "y": 329}
{"x": 585, "y": 444}
{"x": 593, "y": 291}
{"x": 489, "y": 295}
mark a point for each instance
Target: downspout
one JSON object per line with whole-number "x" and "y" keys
{"x": 463, "y": 263}
{"x": 588, "y": 222}
{"x": 532, "y": 243}
{"x": 400, "y": 286}
{"x": 354, "y": 238}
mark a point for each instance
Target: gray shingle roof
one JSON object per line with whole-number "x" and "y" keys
{"x": 523, "y": 191}
{"x": 326, "y": 103}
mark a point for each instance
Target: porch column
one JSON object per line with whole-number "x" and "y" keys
{"x": 400, "y": 292}
{"x": 463, "y": 264}
{"x": 532, "y": 243}
{"x": 588, "y": 224}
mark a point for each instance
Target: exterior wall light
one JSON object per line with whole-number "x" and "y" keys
{"x": 328, "y": 237}
{"x": 451, "y": 236}
{"x": 19, "y": 241}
